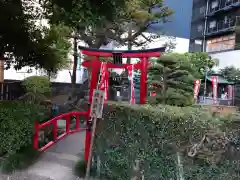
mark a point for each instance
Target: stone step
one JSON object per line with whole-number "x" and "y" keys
{"x": 56, "y": 163}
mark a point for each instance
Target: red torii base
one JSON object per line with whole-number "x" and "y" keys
{"x": 95, "y": 65}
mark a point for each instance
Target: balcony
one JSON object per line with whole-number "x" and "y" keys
{"x": 196, "y": 2}
{"x": 222, "y": 5}
{"x": 198, "y": 13}
{"x": 217, "y": 27}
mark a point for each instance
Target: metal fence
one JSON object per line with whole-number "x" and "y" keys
{"x": 11, "y": 90}
{"x": 209, "y": 101}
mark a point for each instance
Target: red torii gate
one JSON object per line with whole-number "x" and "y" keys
{"x": 95, "y": 65}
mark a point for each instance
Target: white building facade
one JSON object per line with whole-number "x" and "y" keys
{"x": 226, "y": 59}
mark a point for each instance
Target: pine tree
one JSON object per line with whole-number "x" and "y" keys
{"x": 136, "y": 79}
{"x": 174, "y": 82}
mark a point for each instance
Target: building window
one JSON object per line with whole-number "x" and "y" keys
{"x": 199, "y": 42}
{"x": 221, "y": 43}
{"x": 225, "y": 19}
{"x": 202, "y": 10}
{"x": 214, "y": 4}
{"x": 199, "y": 28}
{"x": 212, "y": 24}
{"x": 228, "y": 2}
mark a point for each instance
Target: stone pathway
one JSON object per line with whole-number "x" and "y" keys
{"x": 57, "y": 163}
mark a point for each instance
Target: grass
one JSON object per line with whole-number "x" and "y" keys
{"x": 20, "y": 160}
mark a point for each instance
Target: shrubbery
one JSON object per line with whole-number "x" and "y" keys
{"x": 37, "y": 88}
{"x": 38, "y": 85}
{"x": 158, "y": 137}
{"x": 17, "y": 130}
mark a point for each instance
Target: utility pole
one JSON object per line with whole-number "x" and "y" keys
{"x": 206, "y": 69}
{"x": 205, "y": 27}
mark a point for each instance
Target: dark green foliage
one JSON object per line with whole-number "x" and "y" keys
{"x": 17, "y": 125}
{"x": 20, "y": 160}
{"x": 154, "y": 135}
{"x": 76, "y": 13}
{"x": 172, "y": 79}
{"x": 198, "y": 61}
{"x": 37, "y": 88}
{"x": 99, "y": 22}
{"x": 80, "y": 169}
{"x": 37, "y": 84}
{"x": 16, "y": 134}
{"x": 26, "y": 44}
{"x": 230, "y": 73}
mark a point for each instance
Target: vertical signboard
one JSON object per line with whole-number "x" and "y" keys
{"x": 197, "y": 84}
{"x": 130, "y": 71}
{"x": 214, "y": 87}
{"x": 103, "y": 85}
{"x": 97, "y": 104}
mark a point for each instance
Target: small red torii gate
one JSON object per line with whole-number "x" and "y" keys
{"x": 95, "y": 65}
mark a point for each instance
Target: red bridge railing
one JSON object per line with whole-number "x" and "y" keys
{"x": 54, "y": 122}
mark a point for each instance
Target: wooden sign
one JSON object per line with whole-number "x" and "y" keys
{"x": 97, "y": 103}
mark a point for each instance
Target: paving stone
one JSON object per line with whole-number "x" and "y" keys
{"x": 57, "y": 163}
{"x": 23, "y": 176}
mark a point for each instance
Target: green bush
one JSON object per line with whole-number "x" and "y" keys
{"x": 80, "y": 169}
{"x": 38, "y": 84}
{"x": 17, "y": 127}
{"x": 24, "y": 157}
{"x": 158, "y": 137}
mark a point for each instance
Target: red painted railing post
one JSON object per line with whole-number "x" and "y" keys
{"x": 143, "y": 80}
{"x": 68, "y": 124}
{"x": 55, "y": 130}
{"x": 77, "y": 121}
{"x": 96, "y": 64}
{"x": 36, "y": 135}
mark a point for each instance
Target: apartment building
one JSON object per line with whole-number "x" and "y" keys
{"x": 213, "y": 26}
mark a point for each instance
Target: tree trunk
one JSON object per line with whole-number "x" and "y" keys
{"x": 1, "y": 69}
{"x": 129, "y": 42}
{"x": 75, "y": 62}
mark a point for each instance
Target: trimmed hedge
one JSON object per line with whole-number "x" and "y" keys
{"x": 17, "y": 127}
{"x": 38, "y": 85}
{"x": 158, "y": 137}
